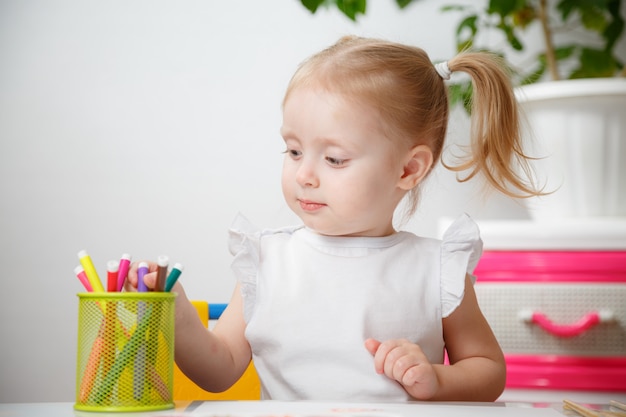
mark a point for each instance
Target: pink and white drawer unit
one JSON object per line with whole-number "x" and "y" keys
{"x": 555, "y": 296}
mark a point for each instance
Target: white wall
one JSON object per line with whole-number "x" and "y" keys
{"x": 144, "y": 126}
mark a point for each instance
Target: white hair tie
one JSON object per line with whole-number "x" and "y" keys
{"x": 443, "y": 70}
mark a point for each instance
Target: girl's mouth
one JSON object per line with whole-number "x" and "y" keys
{"x": 310, "y": 205}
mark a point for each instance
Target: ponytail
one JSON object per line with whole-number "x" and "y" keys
{"x": 496, "y": 144}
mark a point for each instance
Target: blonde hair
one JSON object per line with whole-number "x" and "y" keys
{"x": 402, "y": 84}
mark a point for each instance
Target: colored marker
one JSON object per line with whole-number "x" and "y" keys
{"x": 158, "y": 384}
{"x": 80, "y": 273}
{"x": 162, "y": 262}
{"x": 91, "y": 370}
{"x": 123, "y": 271}
{"x": 112, "y": 268}
{"x": 139, "y": 373}
{"x": 173, "y": 277}
{"x": 110, "y": 317}
{"x": 90, "y": 271}
{"x": 141, "y": 272}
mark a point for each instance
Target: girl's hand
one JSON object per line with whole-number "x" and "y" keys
{"x": 405, "y": 362}
{"x": 149, "y": 279}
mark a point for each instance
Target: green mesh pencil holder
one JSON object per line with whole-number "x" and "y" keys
{"x": 125, "y": 356}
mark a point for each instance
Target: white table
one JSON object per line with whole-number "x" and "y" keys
{"x": 301, "y": 409}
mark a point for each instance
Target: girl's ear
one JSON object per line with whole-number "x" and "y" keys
{"x": 418, "y": 162}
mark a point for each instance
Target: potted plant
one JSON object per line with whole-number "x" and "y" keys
{"x": 571, "y": 88}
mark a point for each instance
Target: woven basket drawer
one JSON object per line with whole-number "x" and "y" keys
{"x": 506, "y": 304}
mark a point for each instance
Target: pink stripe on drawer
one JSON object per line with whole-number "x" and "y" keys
{"x": 552, "y": 266}
{"x": 566, "y": 372}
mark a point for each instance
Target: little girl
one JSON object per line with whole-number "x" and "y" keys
{"x": 344, "y": 307}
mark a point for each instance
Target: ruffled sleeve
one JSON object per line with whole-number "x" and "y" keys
{"x": 243, "y": 243}
{"x": 460, "y": 251}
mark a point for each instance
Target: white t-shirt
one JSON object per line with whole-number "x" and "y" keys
{"x": 310, "y": 302}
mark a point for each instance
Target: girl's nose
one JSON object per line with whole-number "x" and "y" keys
{"x": 306, "y": 176}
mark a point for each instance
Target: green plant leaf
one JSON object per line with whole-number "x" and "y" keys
{"x": 523, "y": 17}
{"x": 615, "y": 28}
{"x": 595, "y": 63}
{"x": 351, "y": 8}
{"x": 454, "y": 8}
{"x": 591, "y": 12}
{"x": 312, "y": 5}
{"x": 461, "y": 94}
{"x": 594, "y": 19}
{"x": 403, "y": 3}
{"x": 503, "y": 7}
{"x": 567, "y": 7}
{"x": 509, "y": 32}
{"x": 564, "y": 52}
{"x": 465, "y": 33}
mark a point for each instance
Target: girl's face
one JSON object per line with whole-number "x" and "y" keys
{"x": 340, "y": 174}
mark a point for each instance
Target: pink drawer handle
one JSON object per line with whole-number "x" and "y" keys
{"x": 588, "y": 321}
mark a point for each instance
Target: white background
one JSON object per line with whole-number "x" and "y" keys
{"x": 144, "y": 127}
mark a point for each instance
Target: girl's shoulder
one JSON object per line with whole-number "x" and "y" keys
{"x": 243, "y": 232}
{"x": 461, "y": 235}
{"x": 461, "y": 248}
{"x": 461, "y": 242}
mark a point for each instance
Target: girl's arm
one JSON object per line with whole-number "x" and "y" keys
{"x": 477, "y": 371}
{"x": 215, "y": 359}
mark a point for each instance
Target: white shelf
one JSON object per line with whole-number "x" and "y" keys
{"x": 563, "y": 234}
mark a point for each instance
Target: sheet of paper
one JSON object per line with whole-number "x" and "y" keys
{"x": 324, "y": 409}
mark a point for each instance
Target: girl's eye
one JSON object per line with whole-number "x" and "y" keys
{"x": 293, "y": 153}
{"x": 336, "y": 161}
